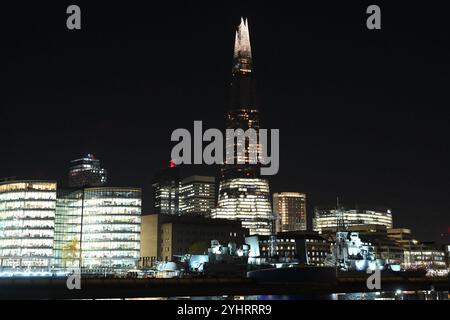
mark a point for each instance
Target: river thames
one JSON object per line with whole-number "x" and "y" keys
{"x": 383, "y": 295}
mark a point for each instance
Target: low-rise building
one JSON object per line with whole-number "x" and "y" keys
{"x": 302, "y": 247}
{"x": 166, "y": 236}
{"x": 418, "y": 254}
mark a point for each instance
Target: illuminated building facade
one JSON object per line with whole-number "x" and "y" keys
{"x": 307, "y": 248}
{"x": 86, "y": 172}
{"x": 197, "y": 195}
{"x": 290, "y": 211}
{"x": 328, "y": 217}
{"x": 447, "y": 253}
{"x": 67, "y": 252}
{"x": 246, "y": 200}
{"x": 243, "y": 194}
{"x": 100, "y": 227}
{"x": 27, "y": 219}
{"x": 166, "y": 186}
{"x": 417, "y": 254}
{"x": 426, "y": 255}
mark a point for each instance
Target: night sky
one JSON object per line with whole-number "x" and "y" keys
{"x": 362, "y": 114}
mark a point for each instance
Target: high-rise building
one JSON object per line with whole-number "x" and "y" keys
{"x": 329, "y": 217}
{"x": 98, "y": 228}
{"x": 166, "y": 184}
{"x": 243, "y": 194}
{"x": 86, "y": 172}
{"x": 27, "y": 220}
{"x": 246, "y": 200}
{"x": 290, "y": 211}
{"x": 197, "y": 195}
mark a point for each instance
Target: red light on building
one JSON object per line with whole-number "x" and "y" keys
{"x": 172, "y": 164}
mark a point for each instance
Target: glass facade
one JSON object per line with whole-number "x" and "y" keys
{"x": 428, "y": 256}
{"x": 243, "y": 195}
{"x": 68, "y": 228}
{"x": 243, "y": 113}
{"x": 290, "y": 211}
{"x": 328, "y": 218}
{"x": 166, "y": 186}
{"x": 246, "y": 200}
{"x": 197, "y": 195}
{"x": 86, "y": 172}
{"x": 27, "y": 218}
{"x": 99, "y": 228}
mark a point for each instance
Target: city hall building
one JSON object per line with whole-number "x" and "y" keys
{"x": 42, "y": 228}
{"x": 27, "y": 220}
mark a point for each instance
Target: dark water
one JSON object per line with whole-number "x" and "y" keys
{"x": 385, "y": 295}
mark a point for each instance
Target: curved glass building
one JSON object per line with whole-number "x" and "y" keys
{"x": 98, "y": 228}
{"x": 111, "y": 227}
{"x": 27, "y": 219}
{"x": 327, "y": 217}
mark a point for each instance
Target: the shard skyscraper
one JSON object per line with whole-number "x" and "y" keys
{"x": 243, "y": 194}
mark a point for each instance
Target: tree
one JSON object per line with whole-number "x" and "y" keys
{"x": 71, "y": 252}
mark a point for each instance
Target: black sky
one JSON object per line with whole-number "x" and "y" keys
{"x": 362, "y": 114}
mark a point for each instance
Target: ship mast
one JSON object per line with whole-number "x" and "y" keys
{"x": 340, "y": 256}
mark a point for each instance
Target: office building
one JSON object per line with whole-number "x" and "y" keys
{"x": 86, "y": 172}
{"x": 426, "y": 255}
{"x": 197, "y": 195}
{"x": 248, "y": 201}
{"x": 306, "y": 248}
{"x": 290, "y": 211}
{"x": 329, "y": 217}
{"x": 166, "y": 184}
{"x": 98, "y": 228}
{"x": 27, "y": 221}
{"x": 167, "y": 236}
{"x": 447, "y": 253}
{"x": 418, "y": 254}
{"x": 243, "y": 194}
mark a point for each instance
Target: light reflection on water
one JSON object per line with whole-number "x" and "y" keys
{"x": 388, "y": 295}
{"x": 395, "y": 295}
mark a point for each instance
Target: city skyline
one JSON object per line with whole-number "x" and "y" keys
{"x": 386, "y": 157}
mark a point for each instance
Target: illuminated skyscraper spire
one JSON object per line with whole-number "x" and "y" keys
{"x": 242, "y": 48}
{"x": 243, "y": 194}
{"x": 243, "y": 113}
